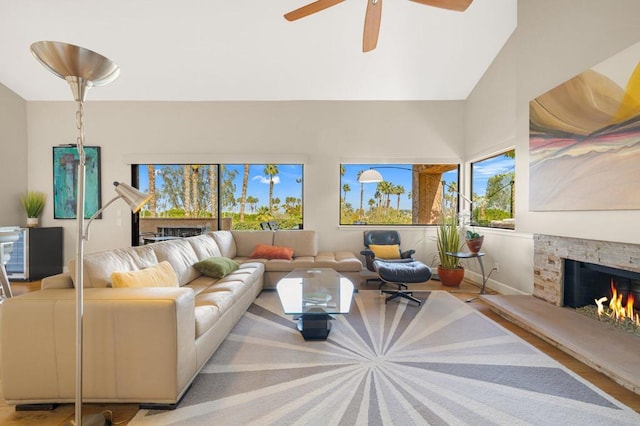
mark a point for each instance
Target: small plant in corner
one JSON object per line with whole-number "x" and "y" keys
{"x": 448, "y": 240}
{"x": 474, "y": 241}
{"x": 33, "y": 203}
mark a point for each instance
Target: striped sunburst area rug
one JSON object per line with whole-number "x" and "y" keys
{"x": 398, "y": 364}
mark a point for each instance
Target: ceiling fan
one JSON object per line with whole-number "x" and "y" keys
{"x": 372, "y": 17}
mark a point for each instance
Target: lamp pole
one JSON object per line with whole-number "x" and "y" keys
{"x": 82, "y": 69}
{"x": 80, "y": 201}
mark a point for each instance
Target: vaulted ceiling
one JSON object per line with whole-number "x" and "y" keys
{"x": 209, "y": 50}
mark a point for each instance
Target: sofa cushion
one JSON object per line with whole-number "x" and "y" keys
{"x": 225, "y": 242}
{"x": 341, "y": 261}
{"x": 222, "y": 299}
{"x": 204, "y": 246}
{"x": 303, "y": 242}
{"x": 289, "y": 265}
{"x": 206, "y": 317}
{"x": 264, "y": 251}
{"x": 160, "y": 275}
{"x": 181, "y": 256}
{"x": 99, "y": 266}
{"x": 246, "y": 241}
{"x": 216, "y": 267}
{"x": 249, "y": 272}
{"x": 385, "y": 251}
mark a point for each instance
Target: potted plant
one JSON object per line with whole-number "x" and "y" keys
{"x": 33, "y": 203}
{"x": 474, "y": 241}
{"x": 450, "y": 271}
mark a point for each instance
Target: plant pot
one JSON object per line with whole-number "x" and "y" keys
{"x": 32, "y": 222}
{"x": 475, "y": 244}
{"x": 451, "y": 277}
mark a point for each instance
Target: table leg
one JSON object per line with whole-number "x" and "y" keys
{"x": 484, "y": 279}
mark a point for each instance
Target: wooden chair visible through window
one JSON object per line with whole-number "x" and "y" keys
{"x": 272, "y": 225}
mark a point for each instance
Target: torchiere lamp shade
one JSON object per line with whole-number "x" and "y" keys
{"x": 69, "y": 61}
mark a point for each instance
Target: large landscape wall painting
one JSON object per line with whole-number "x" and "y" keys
{"x": 584, "y": 140}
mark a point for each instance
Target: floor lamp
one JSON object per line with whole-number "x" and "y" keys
{"x": 82, "y": 69}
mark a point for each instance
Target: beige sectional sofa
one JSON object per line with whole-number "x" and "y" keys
{"x": 143, "y": 345}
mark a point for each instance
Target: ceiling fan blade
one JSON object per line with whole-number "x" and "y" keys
{"x": 457, "y": 5}
{"x": 371, "y": 25}
{"x": 310, "y": 9}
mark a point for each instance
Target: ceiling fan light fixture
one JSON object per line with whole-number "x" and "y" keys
{"x": 373, "y": 15}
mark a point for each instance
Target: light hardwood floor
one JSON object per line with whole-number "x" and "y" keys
{"x": 122, "y": 413}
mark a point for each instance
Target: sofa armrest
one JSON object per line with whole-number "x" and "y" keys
{"x": 139, "y": 345}
{"x": 58, "y": 281}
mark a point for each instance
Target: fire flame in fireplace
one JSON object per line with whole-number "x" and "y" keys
{"x": 616, "y": 310}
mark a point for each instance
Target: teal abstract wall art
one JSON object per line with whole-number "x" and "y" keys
{"x": 65, "y": 181}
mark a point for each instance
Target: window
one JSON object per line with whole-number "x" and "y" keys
{"x": 409, "y": 194}
{"x": 251, "y": 194}
{"x": 188, "y": 197}
{"x": 492, "y": 184}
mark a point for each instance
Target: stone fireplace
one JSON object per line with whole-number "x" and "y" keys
{"x": 551, "y": 251}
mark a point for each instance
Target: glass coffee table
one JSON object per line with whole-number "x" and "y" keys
{"x": 314, "y": 295}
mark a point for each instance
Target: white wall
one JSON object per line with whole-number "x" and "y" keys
{"x": 555, "y": 40}
{"x": 324, "y": 134}
{"x": 13, "y": 157}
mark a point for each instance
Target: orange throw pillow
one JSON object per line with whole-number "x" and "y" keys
{"x": 264, "y": 251}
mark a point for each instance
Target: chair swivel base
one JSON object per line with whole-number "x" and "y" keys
{"x": 394, "y": 294}
{"x": 401, "y": 286}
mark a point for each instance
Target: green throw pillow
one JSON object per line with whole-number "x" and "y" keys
{"x": 216, "y": 267}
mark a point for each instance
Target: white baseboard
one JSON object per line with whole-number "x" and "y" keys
{"x": 492, "y": 284}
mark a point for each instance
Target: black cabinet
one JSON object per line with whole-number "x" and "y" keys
{"x": 37, "y": 254}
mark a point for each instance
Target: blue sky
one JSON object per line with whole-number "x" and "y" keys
{"x": 485, "y": 169}
{"x": 287, "y": 183}
{"x": 397, "y": 174}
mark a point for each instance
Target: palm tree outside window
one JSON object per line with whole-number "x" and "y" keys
{"x": 220, "y": 196}
{"x": 409, "y": 194}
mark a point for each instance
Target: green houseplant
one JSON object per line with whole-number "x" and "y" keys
{"x": 448, "y": 239}
{"x": 33, "y": 203}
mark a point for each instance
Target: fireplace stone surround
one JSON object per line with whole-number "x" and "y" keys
{"x": 550, "y": 250}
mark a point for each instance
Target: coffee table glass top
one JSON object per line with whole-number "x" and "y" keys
{"x": 315, "y": 291}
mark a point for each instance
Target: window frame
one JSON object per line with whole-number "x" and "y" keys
{"x": 221, "y": 221}
{"x": 382, "y": 167}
